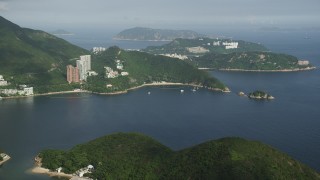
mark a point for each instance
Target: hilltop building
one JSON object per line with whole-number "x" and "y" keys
{"x": 97, "y": 50}
{"x": 228, "y": 45}
{"x": 72, "y": 74}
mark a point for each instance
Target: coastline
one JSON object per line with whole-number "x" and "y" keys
{"x": 121, "y": 92}
{"x": 163, "y": 84}
{"x": 37, "y": 169}
{"x": 40, "y": 170}
{"x": 248, "y": 70}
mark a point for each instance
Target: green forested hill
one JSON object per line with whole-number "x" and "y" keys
{"x": 34, "y": 57}
{"x": 249, "y": 61}
{"x": 135, "y": 156}
{"x": 145, "y": 68}
{"x": 211, "y": 53}
{"x": 180, "y": 46}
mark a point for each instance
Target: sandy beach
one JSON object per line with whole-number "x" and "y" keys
{"x": 41, "y": 170}
{"x": 119, "y": 92}
{"x": 159, "y": 84}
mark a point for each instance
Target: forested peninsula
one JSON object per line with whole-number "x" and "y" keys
{"x": 136, "y": 156}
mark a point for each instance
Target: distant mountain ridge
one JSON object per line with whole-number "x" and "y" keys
{"x": 149, "y": 34}
{"x": 61, "y": 32}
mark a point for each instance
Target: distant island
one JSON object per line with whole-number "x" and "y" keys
{"x": 61, "y": 32}
{"x": 136, "y": 156}
{"x": 229, "y": 55}
{"x": 149, "y": 34}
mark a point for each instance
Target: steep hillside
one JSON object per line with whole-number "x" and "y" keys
{"x": 135, "y": 156}
{"x": 34, "y": 57}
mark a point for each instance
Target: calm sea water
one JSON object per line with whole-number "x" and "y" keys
{"x": 290, "y": 123}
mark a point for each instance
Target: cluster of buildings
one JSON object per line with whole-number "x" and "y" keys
{"x": 97, "y": 50}
{"x": 303, "y": 63}
{"x": 80, "y": 173}
{"x": 228, "y": 45}
{"x": 197, "y": 50}
{"x": 110, "y": 73}
{"x": 2, "y": 81}
{"x": 81, "y": 71}
{"x": 23, "y": 90}
{"x": 175, "y": 55}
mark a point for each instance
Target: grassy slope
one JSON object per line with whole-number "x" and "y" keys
{"x": 34, "y": 57}
{"x": 145, "y": 68}
{"x": 135, "y": 156}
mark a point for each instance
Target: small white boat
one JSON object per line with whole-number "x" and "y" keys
{"x": 193, "y": 90}
{"x": 149, "y": 93}
{"x": 182, "y": 91}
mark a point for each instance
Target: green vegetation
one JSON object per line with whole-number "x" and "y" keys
{"x": 180, "y": 46}
{"x": 247, "y": 56}
{"x": 148, "y": 34}
{"x": 144, "y": 68}
{"x": 35, "y": 58}
{"x": 249, "y": 61}
{"x": 39, "y": 60}
{"x": 135, "y": 156}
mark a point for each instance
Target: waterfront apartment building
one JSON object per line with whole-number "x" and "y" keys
{"x": 73, "y": 74}
{"x": 84, "y": 66}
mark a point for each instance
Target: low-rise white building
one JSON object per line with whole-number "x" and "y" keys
{"x": 97, "y": 50}
{"x": 2, "y": 81}
{"x": 230, "y": 45}
{"x": 110, "y": 73}
{"x": 303, "y": 63}
{"x": 124, "y": 73}
{"x": 28, "y": 91}
{"x": 175, "y": 55}
{"x": 92, "y": 73}
{"x": 119, "y": 66}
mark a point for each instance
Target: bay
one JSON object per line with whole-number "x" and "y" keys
{"x": 289, "y": 123}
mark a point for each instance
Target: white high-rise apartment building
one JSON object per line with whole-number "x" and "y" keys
{"x": 87, "y": 61}
{"x": 84, "y": 65}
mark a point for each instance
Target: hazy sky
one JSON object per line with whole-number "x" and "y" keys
{"x": 161, "y": 13}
